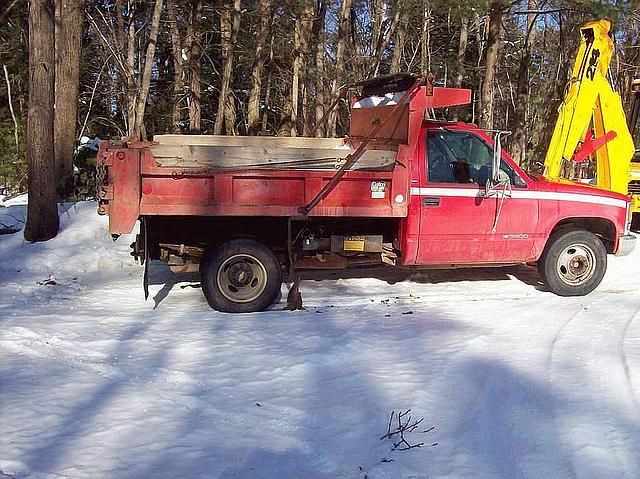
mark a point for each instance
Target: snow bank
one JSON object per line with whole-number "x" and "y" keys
{"x": 520, "y": 383}
{"x": 19, "y": 200}
{"x": 82, "y": 245}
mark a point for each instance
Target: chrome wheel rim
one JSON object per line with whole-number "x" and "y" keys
{"x": 576, "y": 264}
{"x": 242, "y": 278}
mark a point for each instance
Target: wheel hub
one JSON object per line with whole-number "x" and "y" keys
{"x": 242, "y": 278}
{"x": 240, "y": 274}
{"x": 576, "y": 265}
{"x": 579, "y": 264}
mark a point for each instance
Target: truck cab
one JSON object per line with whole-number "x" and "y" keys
{"x": 455, "y": 219}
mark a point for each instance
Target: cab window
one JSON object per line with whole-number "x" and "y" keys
{"x": 462, "y": 158}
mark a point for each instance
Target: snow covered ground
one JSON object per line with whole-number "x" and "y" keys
{"x": 519, "y": 383}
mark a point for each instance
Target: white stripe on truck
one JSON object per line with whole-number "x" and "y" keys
{"x": 523, "y": 194}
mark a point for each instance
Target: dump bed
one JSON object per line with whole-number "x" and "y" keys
{"x": 207, "y": 175}
{"x": 139, "y": 183}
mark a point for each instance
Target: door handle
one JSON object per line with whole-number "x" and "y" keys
{"x": 429, "y": 201}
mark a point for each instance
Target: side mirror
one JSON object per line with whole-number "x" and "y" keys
{"x": 498, "y": 177}
{"x": 497, "y": 154}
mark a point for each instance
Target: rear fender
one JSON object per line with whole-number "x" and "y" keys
{"x": 120, "y": 195}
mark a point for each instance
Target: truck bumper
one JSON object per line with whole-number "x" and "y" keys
{"x": 626, "y": 245}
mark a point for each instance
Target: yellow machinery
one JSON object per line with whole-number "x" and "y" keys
{"x": 591, "y": 139}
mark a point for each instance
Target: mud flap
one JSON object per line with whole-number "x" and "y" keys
{"x": 145, "y": 274}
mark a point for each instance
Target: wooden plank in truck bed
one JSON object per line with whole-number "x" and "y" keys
{"x": 229, "y": 152}
{"x": 230, "y": 157}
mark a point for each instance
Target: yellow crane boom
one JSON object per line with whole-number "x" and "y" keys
{"x": 591, "y": 121}
{"x": 634, "y": 173}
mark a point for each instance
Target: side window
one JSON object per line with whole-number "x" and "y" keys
{"x": 460, "y": 157}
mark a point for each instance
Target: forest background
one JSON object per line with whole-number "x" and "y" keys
{"x": 239, "y": 67}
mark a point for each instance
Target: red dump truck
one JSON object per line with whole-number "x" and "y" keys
{"x": 401, "y": 190}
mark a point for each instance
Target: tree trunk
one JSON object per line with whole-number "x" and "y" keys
{"x": 195, "y": 89}
{"x": 339, "y": 78}
{"x": 132, "y": 87}
{"x": 284, "y": 126}
{"x": 267, "y": 104}
{"x": 16, "y": 128}
{"x": 425, "y": 39}
{"x": 302, "y": 28}
{"x": 519, "y": 139}
{"x": 496, "y": 13}
{"x": 463, "y": 41}
{"x": 377, "y": 12}
{"x": 319, "y": 39}
{"x": 401, "y": 36}
{"x": 230, "y": 115}
{"x": 229, "y": 26}
{"x": 68, "y": 46}
{"x": 42, "y": 211}
{"x": 178, "y": 67}
{"x": 260, "y": 56}
{"x": 462, "y": 51}
{"x": 297, "y": 66}
{"x": 146, "y": 76}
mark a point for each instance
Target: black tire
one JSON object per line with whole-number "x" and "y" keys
{"x": 635, "y": 222}
{"x": 573, "y": 263}
{"x": 240, "y": 276}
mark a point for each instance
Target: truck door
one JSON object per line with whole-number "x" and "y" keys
{"x": 456, "y": 219}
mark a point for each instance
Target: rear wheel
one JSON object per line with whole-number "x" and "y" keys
{"x": 573, "y": 263}
{"x": 240, "y": 276}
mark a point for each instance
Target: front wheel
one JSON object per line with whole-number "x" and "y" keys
{"x": 240, "y": 276}
{"x": 573, "y": 263}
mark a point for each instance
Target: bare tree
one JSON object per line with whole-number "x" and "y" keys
{"x": 459, "y": 67}
{"x": 260, "y": 56}
{"x": 401, "y": 36}
{"x": 178, "y": 66}
{"x": 42, "y": 212}
{"x": 16, "y": 128}
{"x": 496, "y": 13}
{"x": 463, "y": 40}
{"x": 195, "y": 84}
{"x": 302, "y": 29}
{"x": 146, "y": 76}
{"x": 425, "y": 38}
{"x": 519, "y": 139}
{"x": 229, "y": 26}
{"x": 68, "y": 45}
{"x": 339, "y": 77}
{"x": 122, "y": 44}
{"x": 319, "y": 46}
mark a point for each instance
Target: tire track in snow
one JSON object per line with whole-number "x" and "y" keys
{"x": 625, "y": 360}
{"x": 567, "y": 459}
{"x": 168, "y": 384}
{"x": 587, "y": 362}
